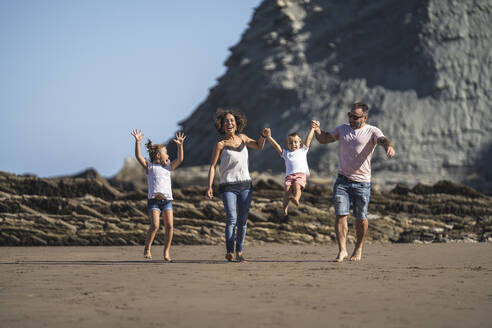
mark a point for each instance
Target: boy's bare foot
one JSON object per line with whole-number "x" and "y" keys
{"x": 285, "y": 212}
{"x": 147, "y": 254}
{"x": 229, "y": 257}
{"x": 341, "y": 256}
{"x": 240, "y": 258}
{"x": 293, "y": 199}
{"x": 356, "y": 255}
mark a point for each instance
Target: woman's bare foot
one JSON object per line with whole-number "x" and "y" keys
{"x": 229, "y": 257}
{"x": 341, "y": 256}
{"x": 167, "y": 257}
{"x": 240, "y": 257}
{"x": 147, "y": 254}
{"x": 356, "y": 255}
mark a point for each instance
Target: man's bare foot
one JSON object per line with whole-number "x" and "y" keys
{"x": 341, "y": 256}
{"x": 229, "y": 257}
{"x": 356, "y": 255}
{"x": 147, "y": 254}
{"x": 240, "y": 257}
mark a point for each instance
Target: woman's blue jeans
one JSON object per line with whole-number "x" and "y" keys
{"x": 236, "y": 205}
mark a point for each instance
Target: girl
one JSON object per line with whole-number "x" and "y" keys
{"x": 296, "y": 165}
{"x": 235, "y": 182}
{"x": 160, "y": 196}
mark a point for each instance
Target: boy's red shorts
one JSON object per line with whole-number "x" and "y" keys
{"x": 299, "y": 178}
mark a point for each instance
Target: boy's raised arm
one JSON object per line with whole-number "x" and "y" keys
{"x": 310, "y": 136}
{"x": 268, "y": 134}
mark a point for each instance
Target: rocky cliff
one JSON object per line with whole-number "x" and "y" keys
{"x": 424, "y": 67}
{"x": 88, "y": 210}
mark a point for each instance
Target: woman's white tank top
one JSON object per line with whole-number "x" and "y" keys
{"x": 234, "y": 165}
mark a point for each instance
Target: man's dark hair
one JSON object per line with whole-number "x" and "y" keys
{"x": 364, "y": 107}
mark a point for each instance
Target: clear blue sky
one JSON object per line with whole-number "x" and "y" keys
{"x": 77, "y": 75}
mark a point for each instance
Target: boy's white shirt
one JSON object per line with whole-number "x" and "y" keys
{"x": 296, "y": 161}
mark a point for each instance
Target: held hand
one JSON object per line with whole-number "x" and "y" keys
{"x": 138, "y": 135}
{"x": 210, "y": 193}
{"x": 390, "y": 152}
{"x": 266, "y": 132}
{"x": 180, "y": 137}
{"x": 315, "y": 125}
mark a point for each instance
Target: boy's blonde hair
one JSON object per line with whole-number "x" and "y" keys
{"x": 294, "y": 134}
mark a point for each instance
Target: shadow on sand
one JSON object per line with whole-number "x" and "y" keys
{"x": 147, "y": 262}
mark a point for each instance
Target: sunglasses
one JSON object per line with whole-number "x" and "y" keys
{"x": 355, "y": 117}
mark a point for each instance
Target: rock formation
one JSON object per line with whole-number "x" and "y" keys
{"x": 424, "y": 67}
{"x": 91, "y": 211}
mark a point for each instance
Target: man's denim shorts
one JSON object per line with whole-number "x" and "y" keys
{"x": 347, "y": 192}
{"x": 159, "y": 204}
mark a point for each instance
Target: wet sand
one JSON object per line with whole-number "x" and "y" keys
{"x": 403, "y": 285}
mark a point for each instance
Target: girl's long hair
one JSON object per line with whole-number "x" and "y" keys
{"x": 153, "y": 150}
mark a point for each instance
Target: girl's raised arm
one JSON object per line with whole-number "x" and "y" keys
{"x": 138, "y": 138}
{"x": 179, "y": 140}
{"x": 211, "y": 172}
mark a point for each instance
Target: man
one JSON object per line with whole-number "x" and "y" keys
{"x": 357, "y": 141}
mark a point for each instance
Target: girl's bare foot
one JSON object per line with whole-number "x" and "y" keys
{"x": 341, "y": 256}
{"x": 240, "y": 258}
{"x": 147, "y": 254}
{"x": 229, "y": 257}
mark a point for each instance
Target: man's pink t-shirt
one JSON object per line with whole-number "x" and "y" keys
{"x": 355, "y": 150}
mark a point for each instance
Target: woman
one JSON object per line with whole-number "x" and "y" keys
{"x": 235, "y": 182}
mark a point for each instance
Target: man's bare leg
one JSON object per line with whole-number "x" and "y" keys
{"x": 361, "y": 227}
{"x": 341, "y": 229}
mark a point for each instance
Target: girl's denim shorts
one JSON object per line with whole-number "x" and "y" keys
{"x": 159, "y": 204}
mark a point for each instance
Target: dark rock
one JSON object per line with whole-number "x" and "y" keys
{"x": 443, "y": 214}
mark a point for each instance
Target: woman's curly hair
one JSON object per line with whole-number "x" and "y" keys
{"x": 238, "y": 116}
{"x": 153, "y": 150}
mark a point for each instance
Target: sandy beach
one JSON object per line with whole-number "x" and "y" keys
{"x": 396, "y": 285}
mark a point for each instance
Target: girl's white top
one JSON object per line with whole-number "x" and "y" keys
{"x": 159, "y": 180}
{"x": 296, "y": 161}
{"x": 234, "y": 165}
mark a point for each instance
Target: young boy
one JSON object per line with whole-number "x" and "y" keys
{"x": 296, "y": 166}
